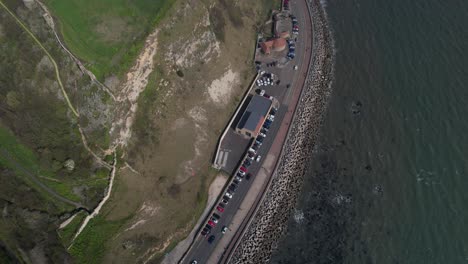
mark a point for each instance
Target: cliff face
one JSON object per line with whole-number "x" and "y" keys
{"x": 159, "y": 111}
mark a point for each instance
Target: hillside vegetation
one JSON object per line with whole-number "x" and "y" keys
{"x": 107, "y": 34}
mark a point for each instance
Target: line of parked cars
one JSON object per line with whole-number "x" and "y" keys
{"x": 265, "y": 79}
{"x": 241, "y": 173}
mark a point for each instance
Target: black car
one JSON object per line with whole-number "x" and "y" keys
{"x": 267, "y": 126}
{"x": 240, "y": 175}
{"x": 221, "y": 204}
{"x": 211, "y": 239}
{"x": 216, "y": 216}
{"x": 273, "y": 111}
{"x": 208, "y": 226}
{"x": 248, "y": 176}
{"x": 236, "y": 182}
{"x": 247, "y": 162}
{"x": 232, "y": 187}
{"x": 259, "y": 139}
{"x": 205, "y": 231}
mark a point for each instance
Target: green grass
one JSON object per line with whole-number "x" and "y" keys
{"x": 13, "y": 155}
{"x": 67, "y": 233}
{"x": 89, "y": 247}
{"x": 107, "y": 34}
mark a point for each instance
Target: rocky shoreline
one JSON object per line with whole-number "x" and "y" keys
{"x": 269, "y": 224}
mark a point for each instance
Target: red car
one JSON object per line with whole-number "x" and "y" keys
{"x": 220, "y": 209}
{"x": 211, "y": 223}
{"x": 243, "y": 169}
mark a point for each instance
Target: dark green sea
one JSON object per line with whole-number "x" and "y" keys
{"x": 388, "y": 181}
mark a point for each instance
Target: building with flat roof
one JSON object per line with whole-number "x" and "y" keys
{"x": 253, "y": 117}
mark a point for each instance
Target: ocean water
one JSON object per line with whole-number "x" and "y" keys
{"x": 388, "y": 182}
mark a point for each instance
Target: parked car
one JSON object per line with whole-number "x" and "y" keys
{"x": 262, "y": 134}
{"x": 240, "y": 174}
{"x": 239, "y": 179}
{"x": 259, "y": 141}
{"x": 229, "y": 195}
{"x": 247, "y": 162}
{"x": 273, "y": 111}
{"x": 267, "y": 126}
{"x": 214, "y": 220}
{"x": 258, "y": 158}
{"x": 211, "y": 223}
{"x": 248, "y": 176}
{"x": 215, "y": 215}
{"x": 211, "y": 239}
{"x": 232, "y": 187}
{"x": 252, "y": 151}
{"x": 261, "y": 93}
{"x": 208, "y": 226}
{"x": 243, "y": 169}
{"x": 224, "y": 229}
{"x": 194, "y": 262}
{"x": 251, "y": 158}
{"x": 236, "y": 181}
{"x": 205, "y": 232}
{"x": 220, "y": 209}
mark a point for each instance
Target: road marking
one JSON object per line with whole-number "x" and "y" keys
{"x": 226, "y": 154}
{"x": 220, "y": 158}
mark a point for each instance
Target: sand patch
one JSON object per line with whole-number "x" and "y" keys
{"x": 220, "y": 89}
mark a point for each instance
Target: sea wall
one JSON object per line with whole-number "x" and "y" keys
{"x": 269, "y": 224}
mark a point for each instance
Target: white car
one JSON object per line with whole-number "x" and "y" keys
{"x": 262, "y": 135}
{"x": 295, "y": 67}
{"x": 262, "y": 72}
{"x": 229, "y": 195}
{"x": 262, "y": 92}
{"x": 224, "y": 229}
{"x": 258, "y": 158}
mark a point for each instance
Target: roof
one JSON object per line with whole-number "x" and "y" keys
{"x": 255, "y": 113}
{"x": 277, "y": 44}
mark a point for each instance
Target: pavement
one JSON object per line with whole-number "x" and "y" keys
{"x": 249, "y": 193}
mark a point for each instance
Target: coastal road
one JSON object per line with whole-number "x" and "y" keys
{"x": 246, "y": 198}
{"x": 301, "y": 9}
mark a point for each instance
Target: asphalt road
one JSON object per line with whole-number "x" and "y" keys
{"x": 201, "y": 249}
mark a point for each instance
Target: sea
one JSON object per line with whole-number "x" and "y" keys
{"x": 388, "y": 179}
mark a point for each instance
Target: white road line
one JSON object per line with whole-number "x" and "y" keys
{"x": 226, "y": 154}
